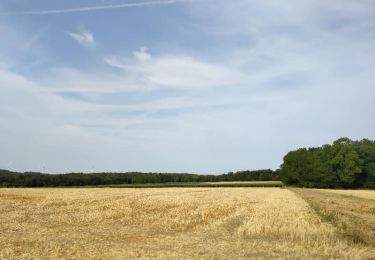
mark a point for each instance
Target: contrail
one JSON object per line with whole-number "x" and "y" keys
{"x": 99, "y": 7}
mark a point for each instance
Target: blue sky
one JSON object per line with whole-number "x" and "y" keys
{"x": 205, "y": 86}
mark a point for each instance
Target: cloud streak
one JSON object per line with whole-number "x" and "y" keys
{"x": 178, "y": 71}
{"x": 84, "y": 38}
{"x": 100, "y": 7}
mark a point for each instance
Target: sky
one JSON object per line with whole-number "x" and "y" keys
{"x": 203, "y": 86}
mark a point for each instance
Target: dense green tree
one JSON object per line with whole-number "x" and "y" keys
{"x": 294, "y": 166}
{"x": 344, "y": 164}
{"x": 366, "y": 151}
{"x": 303, "y": 168}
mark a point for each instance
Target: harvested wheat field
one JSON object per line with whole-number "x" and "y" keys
{"x": 171, "y": 223}
{"x": 351, "y": 212}
{"x": 365, "y": 194}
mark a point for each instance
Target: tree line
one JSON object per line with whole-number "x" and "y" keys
{"x": 343, "y": 164}
{"x": 36, "y": 179}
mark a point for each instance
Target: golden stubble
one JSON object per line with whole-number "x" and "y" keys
{"x": 165, "y": 223}
{"x": 365, "y": 194}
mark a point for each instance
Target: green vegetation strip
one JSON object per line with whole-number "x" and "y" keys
{"x": 353, "y": 217}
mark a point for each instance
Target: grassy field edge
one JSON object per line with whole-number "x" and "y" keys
{"x": 352, "y": 217}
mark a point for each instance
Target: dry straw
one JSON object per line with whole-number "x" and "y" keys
{"x": 171, "y": 223}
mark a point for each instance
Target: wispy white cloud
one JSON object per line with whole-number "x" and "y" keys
{"x": 142, "y": 54}
{"x": 188, "y": 72}
{"x": 178, "y": 71}
{"x": 21, "y": 49}
{"x": 84, "y": 38}
{"x": 100, "y": 7}
{"x": 60, "y": 130}
{"x": 63, "y": 79}
{"x": 113, "y": 61}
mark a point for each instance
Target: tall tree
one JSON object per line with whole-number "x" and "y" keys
{"x": 345, "y": 162}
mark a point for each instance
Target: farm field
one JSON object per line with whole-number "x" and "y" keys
{"x": 173, "y": 223}
{"x": 365, "y": 194}
{"x": 200, "y": 184}
{"x": 351, "y": 212}
{"x": 246, "y": 182}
